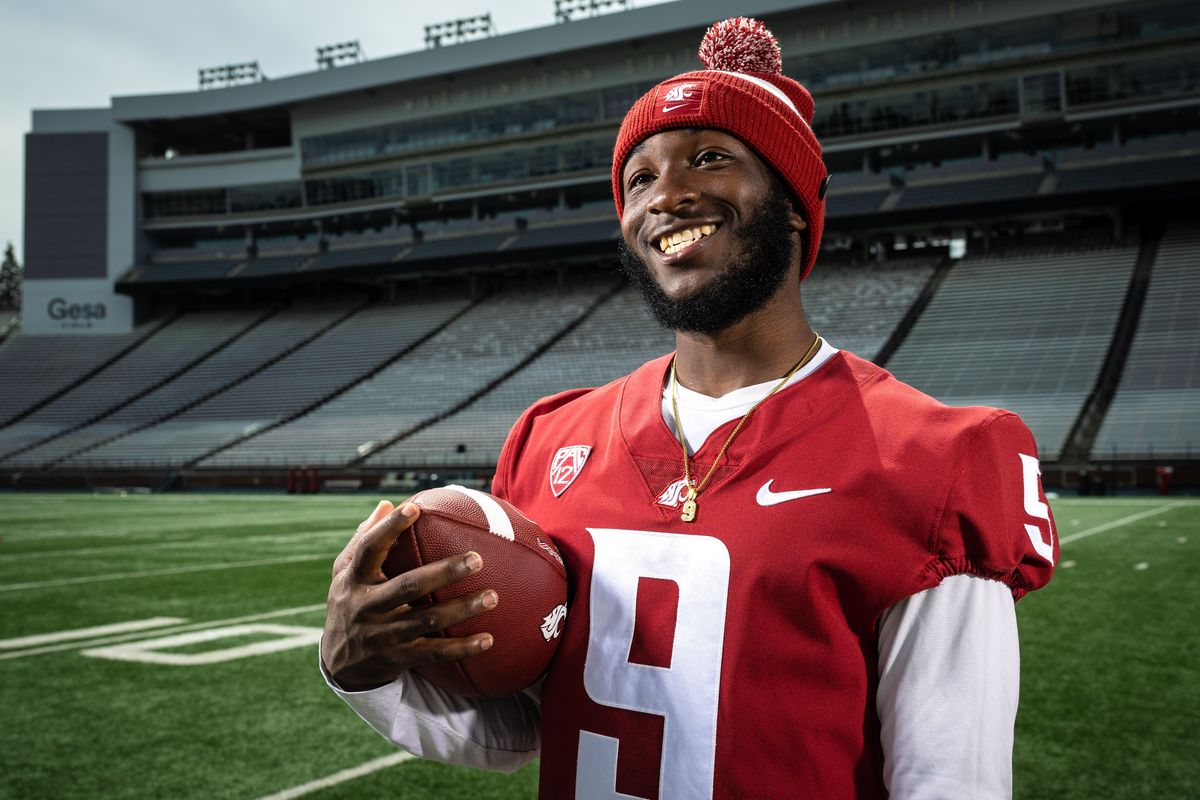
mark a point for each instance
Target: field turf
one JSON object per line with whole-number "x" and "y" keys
{"x": 1110, "y": 655}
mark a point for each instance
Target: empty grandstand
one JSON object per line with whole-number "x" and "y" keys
{"x": 1027, "y": 331}
{"x": 324, "y": 366}
{"x": 462, "y": 360}
{"x": 1156, "y": 410}
{"x": 375, "y": 268}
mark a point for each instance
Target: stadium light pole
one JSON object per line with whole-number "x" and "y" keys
{"x": 567, "y": 10}
{"x": 457, "y": 31}
{"x": 340, "y": 54}
{"x": 230, "y": 75}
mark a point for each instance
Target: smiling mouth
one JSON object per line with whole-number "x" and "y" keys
{"x": 674, "y": 242}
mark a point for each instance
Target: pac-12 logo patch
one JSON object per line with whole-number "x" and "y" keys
{"x": 567, "y": 464}
{"x": 680, "y": 98}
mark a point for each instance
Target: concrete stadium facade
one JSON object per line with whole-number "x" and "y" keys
{"x": 532, "y": 113}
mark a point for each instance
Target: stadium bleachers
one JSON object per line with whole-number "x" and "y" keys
{"x": 1027, "y": 331}
{"x": 257, "y": 346}
{"x": 1025, "y": 328}
{"x": 1156, "y": 409}
{"x": 855, "y": 307}
{"x": 184, "y": 340}
{"x": 340, "y": 355}
{"x": 37, "y": 366}
{"x": 617, "y": 337}
{"x": 477, "y": 348}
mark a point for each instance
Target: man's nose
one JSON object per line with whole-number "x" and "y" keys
{"x": 674, "y": 191}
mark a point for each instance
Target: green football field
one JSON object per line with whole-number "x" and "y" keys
{"x": 164, "y": 646}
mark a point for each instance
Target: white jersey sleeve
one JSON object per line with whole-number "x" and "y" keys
{"x": 949, "y": 675}
{"x": 500, "y": 734}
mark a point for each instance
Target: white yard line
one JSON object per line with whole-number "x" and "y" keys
{"x": 1116, "y": 523}
{"x": 152, "y": 651}
{"x": 152, "y": 573}
{"x": 202, "y": 542}
{"x": 195, "y": 626}
{"x": 340, "y": 777}
{"x": 157, "y": 525}
{"x": 88, "y": 633}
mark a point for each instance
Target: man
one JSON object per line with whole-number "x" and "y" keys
{"x": 792, "y": 575}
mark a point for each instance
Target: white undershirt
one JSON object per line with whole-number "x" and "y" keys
{"x": 949, "y": 672}
{"x": 702, "y": 414}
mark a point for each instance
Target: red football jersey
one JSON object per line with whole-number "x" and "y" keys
{"x": 736, "y": 656}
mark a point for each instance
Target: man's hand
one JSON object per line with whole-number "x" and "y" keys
{"x": 372, "y": 634}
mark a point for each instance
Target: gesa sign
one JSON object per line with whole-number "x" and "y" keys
{"x": 60, "y": 310}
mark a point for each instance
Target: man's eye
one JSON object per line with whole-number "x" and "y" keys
{"x": 709, "y": 156}
{"x": 639, "y": 179}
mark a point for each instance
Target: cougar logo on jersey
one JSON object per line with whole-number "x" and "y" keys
{"x": 552, "y": 625}
{"x": 567, "y": 464}
{"x": 674, "y": 494}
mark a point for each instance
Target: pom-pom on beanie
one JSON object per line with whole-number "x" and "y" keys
{"x": 744, "y": 93}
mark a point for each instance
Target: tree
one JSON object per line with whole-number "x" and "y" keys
{"x": 10, "y": 280}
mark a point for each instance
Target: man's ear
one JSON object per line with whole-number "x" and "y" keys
{"x": 796, "y": 220}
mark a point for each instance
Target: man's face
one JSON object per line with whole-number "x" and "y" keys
{"x": 709, "y": 233}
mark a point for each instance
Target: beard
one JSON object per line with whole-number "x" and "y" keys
{"x": 763, "y": 252}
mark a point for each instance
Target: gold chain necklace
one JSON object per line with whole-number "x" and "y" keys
{"x": 693, "y": 494}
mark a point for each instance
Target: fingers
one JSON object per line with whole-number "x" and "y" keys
{"x": 373, "y": 545}
{"x": 411, "y": 586}
{"x": 409, "y": 623}
{"x": 384, "y": 508}
{"x": 440, "y": 649}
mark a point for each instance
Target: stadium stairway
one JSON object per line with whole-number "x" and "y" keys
{"x": 484, "y": 390}
{"x": 138, "y": 394}
{"x": 222, "y": 386}
{"x": 1082, "y": 436}
{"x": 900, "y": 332}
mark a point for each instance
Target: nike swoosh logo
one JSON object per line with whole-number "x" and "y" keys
{"x": 766, "y": 497}
{"x": 669, "y": 109}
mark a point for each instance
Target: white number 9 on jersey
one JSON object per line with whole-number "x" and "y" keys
{"x": 685, "y": 690}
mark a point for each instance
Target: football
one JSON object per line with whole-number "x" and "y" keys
{"x": 519, "y": 562}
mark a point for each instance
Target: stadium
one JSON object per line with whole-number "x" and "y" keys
{"x": 355, "y": 279}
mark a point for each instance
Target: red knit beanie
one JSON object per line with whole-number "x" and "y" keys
{"x": 743, "y": 93}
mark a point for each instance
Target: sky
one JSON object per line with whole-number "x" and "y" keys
{"x": 81, "y": 53}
